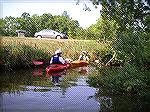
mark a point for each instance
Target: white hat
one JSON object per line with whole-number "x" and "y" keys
{"x": 58, "y": 51}
{"x": 83, "y": 51}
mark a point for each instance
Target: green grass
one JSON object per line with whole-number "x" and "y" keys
{"x": 16, "y": 51}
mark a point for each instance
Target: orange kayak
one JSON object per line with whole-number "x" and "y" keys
{"x": 56, "y": 68}
{"x": 79, "y": 63}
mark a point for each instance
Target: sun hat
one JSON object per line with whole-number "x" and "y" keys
{"x": 58, "y": 51}
{"x": 83, "y": 51}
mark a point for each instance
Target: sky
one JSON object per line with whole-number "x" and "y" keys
{"x": 15, "y": 8}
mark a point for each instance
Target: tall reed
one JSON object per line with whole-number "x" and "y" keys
{"x": 16, "y": 52}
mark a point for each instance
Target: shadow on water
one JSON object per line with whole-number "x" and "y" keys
{"x": 33, "y": 90}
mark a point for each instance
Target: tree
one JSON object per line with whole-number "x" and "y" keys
{"x": 85, "y": 34}
{"x": 127, "y": 13}
{"x": 66, "y": 14}
{"x": 132, "y": 18}
{"x": 37, "y": 23}
{"x": 44, "y": 20}
{"x": 104, "y": 29}
{"x": 147, "y": 24}
{"x": 25, "y": 15}
{"x": 10, "y": 26}
{"x": 35, "y": 19}
{"x": 1, "y": 27}
{"x": 72, "y": 25}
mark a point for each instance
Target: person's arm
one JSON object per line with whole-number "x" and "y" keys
{"x": 80, "y": 57}
{"x": 61, "y": 60}
{"x": 87, "y": 58}
{"x": 51, "y": 60}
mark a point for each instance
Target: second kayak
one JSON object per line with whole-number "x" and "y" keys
{"x": 79, "y": 63}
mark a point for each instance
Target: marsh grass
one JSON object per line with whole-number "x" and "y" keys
{"x": 17, "y": 52}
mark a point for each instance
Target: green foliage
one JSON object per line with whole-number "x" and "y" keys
{"x": 1, "y": 27}
{"x": 9, "y": 26}
{"x": 126, "y": 24}
{"x": 36, "y": 23}
{"x": 127, "y": 13}
{"x": 104, "y": 29}
{"x": 85, "y": 34}
{"x": 147, "y": 53}
{"x": 128, "y": 79}
{"x": 20, "y": 51}
{"x": 147, "y": 24}
{"x": 104, "y": 54}
{"x": 132, "y": 47}
{"x": 14, "y": 56}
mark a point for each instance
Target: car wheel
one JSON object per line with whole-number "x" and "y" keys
{"x": 58, "y": 37}
{"x": 39, "y": 36}
{"x": 65, "y": 37}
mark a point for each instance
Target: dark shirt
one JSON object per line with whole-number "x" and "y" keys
{"x": 55, "y": 60}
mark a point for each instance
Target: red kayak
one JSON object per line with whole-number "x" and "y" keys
{"x": 56, "y": 68}
{"x": 37, "y": 62}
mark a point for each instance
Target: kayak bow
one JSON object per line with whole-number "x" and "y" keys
{"x": 56, "y": 68}
{"x": 37, "y": 62}
{"x": 79, "y": 63}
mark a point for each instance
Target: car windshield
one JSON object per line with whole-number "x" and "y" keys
{"x": 46, "y": 30}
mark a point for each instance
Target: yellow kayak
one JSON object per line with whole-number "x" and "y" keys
{"x": 79, "y": 63}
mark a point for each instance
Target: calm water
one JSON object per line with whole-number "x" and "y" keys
{"x": 33, "y": 90}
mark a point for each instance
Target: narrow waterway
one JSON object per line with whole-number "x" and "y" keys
{"x": 32, "y": 90}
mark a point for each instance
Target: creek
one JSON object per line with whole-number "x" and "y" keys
{"x": 33, "y": 90}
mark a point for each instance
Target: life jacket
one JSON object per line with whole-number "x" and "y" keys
{"x": 81, "y": 57}
{"x": 84, "y": 57}
{"x": 56, "y": 60}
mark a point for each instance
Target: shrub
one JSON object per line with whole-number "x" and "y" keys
{"x": 128, "y": 79}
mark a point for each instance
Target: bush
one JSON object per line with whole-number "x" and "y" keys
{"x": 128, "y": 79}
{"x": 132, "y": 47}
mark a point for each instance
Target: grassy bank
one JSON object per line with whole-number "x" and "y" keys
{"x": 16, "y": 52}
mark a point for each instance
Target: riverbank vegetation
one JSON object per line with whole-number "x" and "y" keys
{"x": 120, "y": 40}
{"x": 19, "y": 52}
{"x": 130, "y": 46}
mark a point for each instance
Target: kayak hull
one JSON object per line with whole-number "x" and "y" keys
{"x": 37, "y": 62}
{"x": 78, "y": 63}
{"x": 56, "y": 68}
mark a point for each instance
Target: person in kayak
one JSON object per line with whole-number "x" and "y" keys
{"x": 84, "y": 56}
{"x": 57, "y": 59}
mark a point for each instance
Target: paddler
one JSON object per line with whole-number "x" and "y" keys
{"x": 56, "y": 58}
{"x": 84, "y": 56}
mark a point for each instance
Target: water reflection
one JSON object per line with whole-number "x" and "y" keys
{"x": 83, "y": 70}
{"x": 27, "y": 90}
{"x": 35, "y": 88}
{"x": 56, "y": 77}
{"x": 37, "y": 72}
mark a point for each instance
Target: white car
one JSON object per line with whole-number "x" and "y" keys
{"x": 47, "y": 33}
